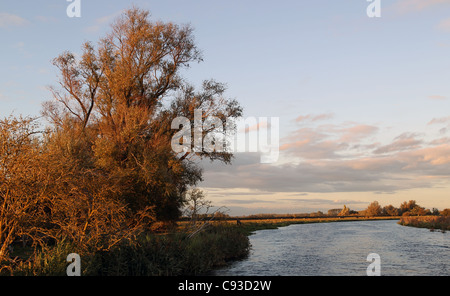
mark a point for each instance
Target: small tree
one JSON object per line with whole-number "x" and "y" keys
{"x": 195, "y": 205}
{"x": 345, "y": 211}
{"x": 373, "y": 210}
{"x": 435, "y": 212}
{"x": 407, "y": 206}
{"x": 411, "y": 208}
{"x": 390, "y": 210}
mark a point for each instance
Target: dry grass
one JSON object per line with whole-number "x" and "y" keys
{"x": 317, "y": 219}
{"x": 251, "y": 225}
{"x": 430, "y": 222}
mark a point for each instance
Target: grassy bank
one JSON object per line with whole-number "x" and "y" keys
{"x": 250, "y": 226}
{"x": 169, "y": 254}
{"x": 431, "y": 222}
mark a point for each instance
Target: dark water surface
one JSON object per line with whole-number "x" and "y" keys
{"x": 342, "y": 248}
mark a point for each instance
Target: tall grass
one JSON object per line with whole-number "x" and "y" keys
{"x": 431, "y": 222}
{"x": 150, "y": 255}
{"x": 50, "y": 261}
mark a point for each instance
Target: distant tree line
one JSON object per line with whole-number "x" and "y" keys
{"x": 407, "y": 208}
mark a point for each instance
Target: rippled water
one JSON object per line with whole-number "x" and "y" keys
{"x": 342, "y": 248}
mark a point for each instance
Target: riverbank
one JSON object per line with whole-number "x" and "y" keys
{"x": 169, "y": 254}
{"x": 441, "y": 223}
{"x": 251, "y": 225}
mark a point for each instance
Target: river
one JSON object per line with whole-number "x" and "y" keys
{"x": 341, "y": 249}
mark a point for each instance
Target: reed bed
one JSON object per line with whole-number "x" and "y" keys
{"x": 431, "y": 222}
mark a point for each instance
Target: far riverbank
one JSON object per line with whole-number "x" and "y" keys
{"x": 252, "y": 225}
{"x": 441, "y": 223}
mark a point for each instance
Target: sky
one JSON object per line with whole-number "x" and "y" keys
{"x": 363, "y": 103}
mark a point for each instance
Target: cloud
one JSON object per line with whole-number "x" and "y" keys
{"x": 326, "y": 141}
{"x": 274, "y": 202}
{"x": 438, "y": 97}
{"x": 246, "y": 201}
{"x": 45, "y": 19}
{"x": 429, "y": 157}
{"x": 408, "y": 6}
{"x": 318, "y": 160}
{"x": 440, "y": 141}
{"x": 258, "y": 126}
{"x": 314, "y": 118}
{"x": 11, "y": 20}
{"x": 444, "y": 25}
{"x": 312, "y": 143}
{"x": 440, "y": 120}
{"x": 319, "y": 201}
{"x": 383, "y": 174}
{"x": 357, "y": 132}
{"x": 21, "y": 48}
{"x": 102, "y": 22}
{"x": 405, "y": 141}
{"x": 326, "y": 176}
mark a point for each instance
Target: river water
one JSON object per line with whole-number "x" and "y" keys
{"x": 341, "y": 249}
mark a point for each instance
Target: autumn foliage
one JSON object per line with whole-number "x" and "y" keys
{"x": 100, "y": 169}
{"x": 431, "y": 222}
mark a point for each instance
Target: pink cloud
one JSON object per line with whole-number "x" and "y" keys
{"x": 296, "y": 144}
{"x": 437, "y": 155}
{"x": 357, "y": 147}
{"x": 440, "y": 141}
{"x": 328, "y": 141}
{"x": 370, "y": 163}
{"x": 11, "y": 20}
{"x": 438, "y": 97}
{"x": 405, "y": 141}
{"x": 406, "y": 6}
{"x": 313, "y": 118}
{"x": 440, "y": 120}
{"x": 258, "y": 126}
{"x": 357, "y": 132}
{"x": 444, "y": 25}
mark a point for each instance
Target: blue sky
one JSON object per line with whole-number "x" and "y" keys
{"x": 363, "y": 102}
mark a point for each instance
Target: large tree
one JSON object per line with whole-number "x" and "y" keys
{"x": 118, "y": 101}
